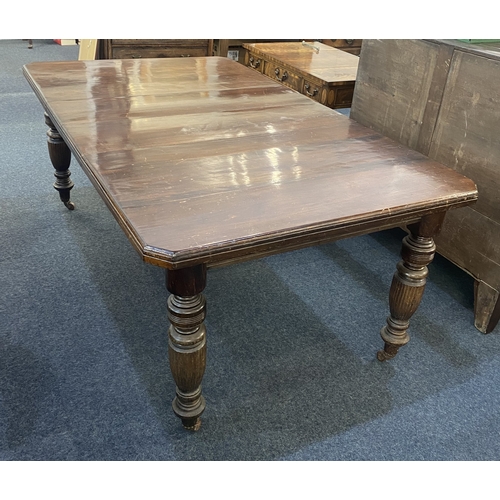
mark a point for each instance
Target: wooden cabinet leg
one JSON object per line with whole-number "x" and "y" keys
{"x": 408, "y": 282}
{"x": 187, "y": 344}
{"x": 60, "y": 156}
{"x": 486, "y": 307}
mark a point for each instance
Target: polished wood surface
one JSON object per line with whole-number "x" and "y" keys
{"x": 321, "y": 72}
{"x": 202, "y": 158}
{"x": 205, "y": 162}
{"x": 314, "y": 58}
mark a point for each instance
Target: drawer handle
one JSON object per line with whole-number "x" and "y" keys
{"x": 254, "y": 63}
{"x": 277, "y": 73}
{"x": 310, "y": 94}
{"x": 349, "y": 42}
{"x": 313, "y": 47}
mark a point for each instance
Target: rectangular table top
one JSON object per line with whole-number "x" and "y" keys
{"x": 205, "y": 160}
{"x": 328, "y": 64}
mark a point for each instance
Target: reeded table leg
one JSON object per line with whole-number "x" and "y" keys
{"x": 187, "y": 345}
{"x": 60, "y": 156}
{"x": 408, "y": 282}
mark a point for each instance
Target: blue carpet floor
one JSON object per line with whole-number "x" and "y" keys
{"x": 291, "y": 372}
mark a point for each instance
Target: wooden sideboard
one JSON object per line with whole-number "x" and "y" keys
{"x": 321, "y": 72}
{"x": 143, "y": 48}
{"x": 441, "y": 98}
{"x": 236, "y": 47}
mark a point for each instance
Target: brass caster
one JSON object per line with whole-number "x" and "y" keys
{"x": 192, "y": 424}
{"x": 384, "y": 356}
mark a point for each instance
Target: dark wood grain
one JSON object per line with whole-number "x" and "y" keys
{"x": 409, "y": 281}
{"x": 466, "y": 135}
{"x": 60, "y": 156}
{"x": 202, "y": 160}
{"x": 134, "y": 48}
{"x": 187, "y": 341}
{"x": 399, "y": 88}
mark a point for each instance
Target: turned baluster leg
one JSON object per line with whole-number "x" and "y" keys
{"x": 187, "y": 345}
{"x": 60, "y": 156}
{"x": 408, "y": 282}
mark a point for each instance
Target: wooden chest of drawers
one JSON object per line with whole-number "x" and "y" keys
{"x": 125, "y": 48}
{"x": 321, "y": 72}
{"x": 441, "y": 98}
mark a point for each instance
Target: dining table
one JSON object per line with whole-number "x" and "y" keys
{"x": 204, "y": 162}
